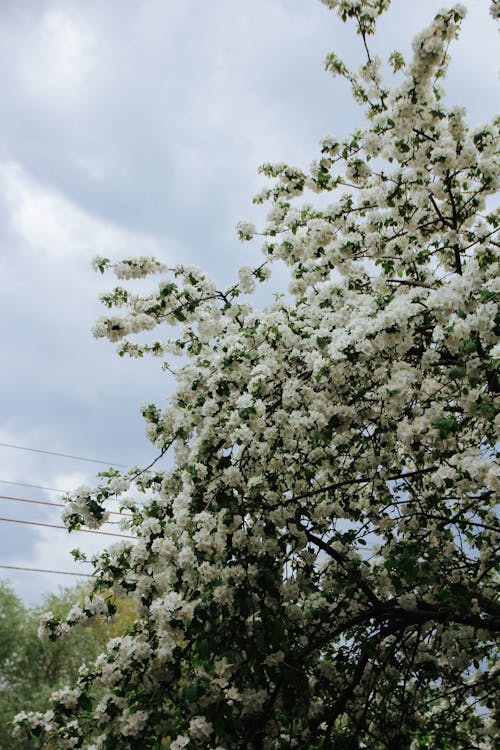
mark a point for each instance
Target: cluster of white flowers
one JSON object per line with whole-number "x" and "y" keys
{"x": 247, "y": 280}
{"x": 67, "y": 698}
{"x": 137, "y": 268}
{"x": 246, "y": 230}
{"x": 324, "y": 542}
{"x": 51, "y": 628}
{"x": 81, "y": 505}
{"x": 33, "y": 721}
{"x": 133, "y": 722}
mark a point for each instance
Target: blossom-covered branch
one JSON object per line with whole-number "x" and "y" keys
{"x": 318, "y": 567}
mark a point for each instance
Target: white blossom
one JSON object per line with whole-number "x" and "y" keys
{"x": 320, "y": 540}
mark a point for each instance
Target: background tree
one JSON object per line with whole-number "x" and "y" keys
{"x": 31, "y": 668}
{"x": 318, "y": 568}
{"x": 12, "y": 642}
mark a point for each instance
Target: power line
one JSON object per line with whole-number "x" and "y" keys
{"x": 34, "y": 486}
{"x": 57, "y": 526}
{"x": 62, "y": 455}
{"x": 40, "y": 487}
{"x": 44, "y": 570}
{"x": 55, "y": 505}
{"x": 25, "y": 500}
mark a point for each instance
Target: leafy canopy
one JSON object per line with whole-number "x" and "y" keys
{"x": 318, "y": 567}
{"x": 30, "y": 668}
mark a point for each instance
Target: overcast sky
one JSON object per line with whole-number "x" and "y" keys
{"x": 136, "y": 127}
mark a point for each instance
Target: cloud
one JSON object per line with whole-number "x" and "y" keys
{"x": 51, "y": 228}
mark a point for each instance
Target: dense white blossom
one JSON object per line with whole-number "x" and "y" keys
{"x": 318, "y": 566}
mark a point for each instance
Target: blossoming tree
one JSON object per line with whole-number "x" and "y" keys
{"x": 317, "y": 567}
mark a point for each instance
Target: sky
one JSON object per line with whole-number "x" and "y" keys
{"x": 128, "y": 128}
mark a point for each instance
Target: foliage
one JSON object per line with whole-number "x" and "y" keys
{"x": 31, "y": 668}
{"x": 318, "y": 567}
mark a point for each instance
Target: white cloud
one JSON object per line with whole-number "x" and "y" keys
{"x": 55, "y": 49}
{"x": 50, "y": 226}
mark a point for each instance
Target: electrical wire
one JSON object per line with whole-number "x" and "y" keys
{"x": 57, "y": 526}
{"x": 62, "y": 455}
{"x": 25, "y": 500}
{"x": 44, "y": 570}
{"x": 55, "y": 505}
{"x": 34, "y": 486}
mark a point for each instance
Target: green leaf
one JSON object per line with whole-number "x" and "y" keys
{"x": 446, "y": 426}
{"x": 458, "y": 372}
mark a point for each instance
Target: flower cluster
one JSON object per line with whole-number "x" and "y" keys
{"x": 317, "y": 567}
{"x": 129, "y": 268}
